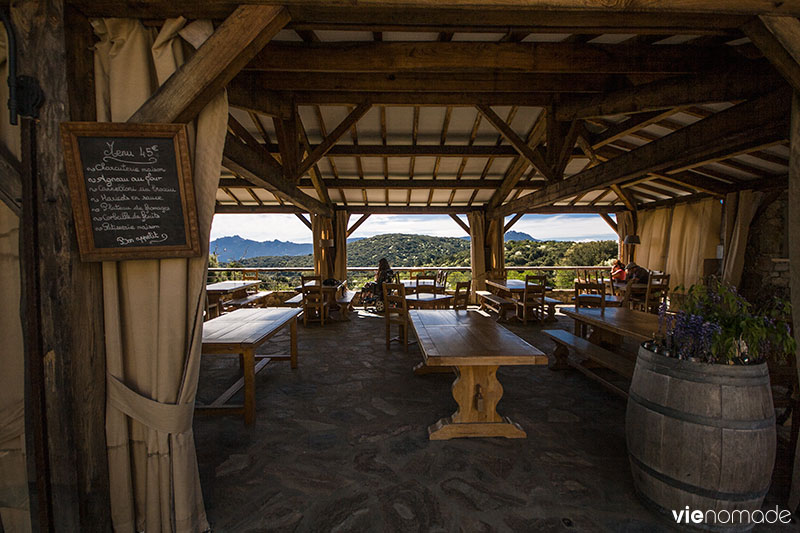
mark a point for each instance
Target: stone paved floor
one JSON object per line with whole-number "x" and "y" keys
{"x": 340, "y": 444}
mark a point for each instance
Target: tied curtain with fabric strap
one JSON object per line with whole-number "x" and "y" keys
{"x": 14, "y": 507}
{"x": 153, "y": 309}
{"x": 676, "y": 240}
{"x": 625, "y": 226}
{"x": 330, "y": 261}
{"x": 486, "y": 249}
{"x": 740, "y": 208}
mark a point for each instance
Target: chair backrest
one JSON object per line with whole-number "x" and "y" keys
{"x": 461, "y": 297}
{"x": 534, "y": 289}
{"x": 426, "y": 283}
{"x": 394, "y": 301}
{"x": 311, "y": 288}
{"x": 441, "y": 278}
{"x": 249, "y": 275}
{"x": 657, "y": 291}
{"x": 635, "y": 294}
{"x": 590, "y": 294}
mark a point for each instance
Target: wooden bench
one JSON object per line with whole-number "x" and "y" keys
{"x": 294, "y": 301}
{"x": 499, "y": 304}
{"x": 251, "y": 300}
{"x": 593, "y": 353}
{"x": 551, "y": 308}
{"x": 345, "y": 302}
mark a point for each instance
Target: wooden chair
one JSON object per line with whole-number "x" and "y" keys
{"x": 426, "y": 284}
{"x": 532, "y": 302}
{"x": 212, "y": 307}
{"x": 657, "y": 292}
{"x": 461, "y": 297}
{"x": 590, "y": 294}
{"x": 634, "y": 295}
{"x": 315, "y": 307}
{"x": 250, "y": 275}
{"x": 395, "y": 312}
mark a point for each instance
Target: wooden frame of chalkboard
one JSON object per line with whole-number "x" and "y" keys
{"x": 131, "y": 190}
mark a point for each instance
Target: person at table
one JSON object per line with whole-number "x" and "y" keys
{"x": 374, "y": 290}
{"x": 636, "y": 274}
{"x": 618, "y": 271}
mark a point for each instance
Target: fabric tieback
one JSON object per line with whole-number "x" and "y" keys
{"x": 166, "y": 417}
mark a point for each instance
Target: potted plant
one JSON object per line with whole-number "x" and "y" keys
{"x": 700, "y": 423}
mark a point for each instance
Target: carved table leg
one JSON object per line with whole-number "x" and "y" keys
{"x": 477, "y": 392}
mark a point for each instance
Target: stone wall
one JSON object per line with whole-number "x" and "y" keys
{"x": 766, "y": 269}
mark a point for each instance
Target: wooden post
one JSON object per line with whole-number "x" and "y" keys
{"x": 793, "y": 221}
{"x": 71, "y": 306}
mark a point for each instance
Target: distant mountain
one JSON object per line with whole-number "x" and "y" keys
{"x": 236, "y": 248}
{"x": 518, "y": 236}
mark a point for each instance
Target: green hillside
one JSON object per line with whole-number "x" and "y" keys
{"x": 408, "y": 250}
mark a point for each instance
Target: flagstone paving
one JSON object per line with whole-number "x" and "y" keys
{"x": 340, "y": 444}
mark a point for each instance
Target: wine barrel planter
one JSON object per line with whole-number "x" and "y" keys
{"x": 700, "y": 435}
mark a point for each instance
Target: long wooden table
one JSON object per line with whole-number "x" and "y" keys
{"x": 242, "y": 332}
{"x": 216, "y": 292}
{"x": 476, "y": 345}
{"x": 614, "y": 324}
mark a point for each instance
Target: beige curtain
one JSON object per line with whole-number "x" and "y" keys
{"x": 341, "y": 220}
{"x": 322, "y": 230}
{"x": 477, "y": 249}
{"x": 625, "y": 227}
{"x": 739, "y": 211}
{"x": 153, "y": 308}
{"x": 14, "y": 509}
{"x": 694, "y": 238}
{"x": 654, "y": 233}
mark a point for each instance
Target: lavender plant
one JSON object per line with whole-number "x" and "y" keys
{"x": 717, "y": 325}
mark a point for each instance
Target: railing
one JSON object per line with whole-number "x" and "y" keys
{"x": 562, "y": 275}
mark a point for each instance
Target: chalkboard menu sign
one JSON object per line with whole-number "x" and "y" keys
{"x": 131, "y": 189}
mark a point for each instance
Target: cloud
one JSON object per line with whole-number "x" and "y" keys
{"x": 263, "y": 227}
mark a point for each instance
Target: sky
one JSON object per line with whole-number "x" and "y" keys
{"x": 267, "y": 227}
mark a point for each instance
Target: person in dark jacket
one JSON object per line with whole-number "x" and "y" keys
{"x": 636, "y": 274}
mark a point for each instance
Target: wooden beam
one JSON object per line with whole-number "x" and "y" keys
{"x": 610, "y": 222}
{"x": 410, "y": 150}
{"x": 518, "y": 167}
{"x": 460, "y": 222}
{"x": 436, "y": 98}
{"x": 238, "y": 129}
{"x": 288, "y": 139}
{"x": 734, "y": 84}
{"x": 303, "y": 219}
{"x": 515, "y": 82}
{"x": 252, "y": 98}
{"x": 243, "y": 34}
{"x": 10, "y": 181}
{"x": 629, "y": 125}
{"x": 778, "y": 38}
{"x": 321, "y": 149}
{"x": 523, "y": 57}
{"x": 314, "y": 173}
{"x": 520, "y": 145}
{"x": 414, "y": 209}
{"x": 246, "y": 162}
{"x": 627, "y": 199}
{"x": 513, "y": 221}
{"x": 750, "y": 123}
{"x": 356, "y": 225}
{"x": 392, "y": 184}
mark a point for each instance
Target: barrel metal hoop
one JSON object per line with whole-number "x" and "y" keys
{"x": 762, "y": 423}
{"x": 694, "y": 489}
{"x": 751, "y": 381}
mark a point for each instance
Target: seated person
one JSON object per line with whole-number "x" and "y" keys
{"x": 618, "y": 271}
{"x": 373, "y": 291}
{"x": 636, "y": 274}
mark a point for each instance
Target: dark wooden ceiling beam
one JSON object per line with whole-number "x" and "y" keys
{"x": 777, "y": 38}
{"x": 460, "y": 222}
{"x": 413, "y": 209}
{"x": 324, "y": 147}
{"x": 357, "y": 224}
{"x": 249, "y": 164}
{"x": 750, "y": 123}
{"x": 746, "y": 81}
{"x": 521, "y": 57}
{"x": 408, "y": 98}
{"x": 10, "y": 180}
{"x": 184, "y": 94}
{"x": 534, "y": 157}
{"x": 417, "y": 183}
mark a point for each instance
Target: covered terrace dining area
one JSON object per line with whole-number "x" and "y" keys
{"x": 139, "y": 397}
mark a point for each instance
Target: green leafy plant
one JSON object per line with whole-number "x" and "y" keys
{"x": 715, "y": 324}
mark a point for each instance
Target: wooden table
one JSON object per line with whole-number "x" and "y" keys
{"x": 410, "y": 285}
{"x": 517, "y": 288}
{"x": 228, "y": 290}
{"x": 242, "y": 332}
{"x": 611, "y": 326}
{"x": 476, "y": 345}
{"x": 425, "y": 300}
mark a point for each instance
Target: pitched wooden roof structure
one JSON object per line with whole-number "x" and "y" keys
{"x": 508, "y": 106}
